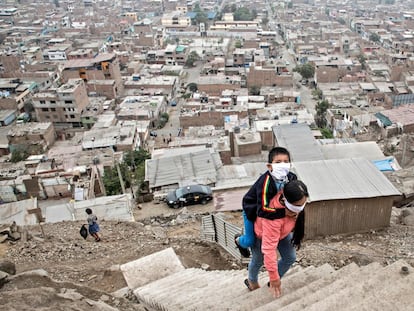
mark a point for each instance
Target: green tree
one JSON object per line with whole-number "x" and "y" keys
{"x": 374, "y": 37}
{"x": 163, "y": 120}
{"x": 238, "y": 44}
{"x": 192, "y": 87}
{"x": 243, "y": 14}
{"x": 140, "y": 179}
{"x": 362, "y": 59}
{"x": 307, "y": 71}
{"x": 341, "y": 21}
{"x": 265, "y": 21}
{"x": 111, "y": 181}
{"x": 321, "y": 108}
{"x": 201, "y": 16}
{"x": 290, "y": 5}
{"x": 317, "y": 93}
{"x": 19, "y": 154}
{"x": 254, "y": 90}
{"x": 326, "y": 133}
{"x": 132, "y": 160}
{"x": 254, "y": 13}
{"x": 135, "y": 163}
{"x": 135, "y": 157}
{"x": 192, "y": 58}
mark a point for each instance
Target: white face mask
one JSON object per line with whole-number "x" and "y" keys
{"x": 294, "y": 208}
{"x": 280, "y": 170}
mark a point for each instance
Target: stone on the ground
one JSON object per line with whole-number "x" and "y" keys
{"x": 7, "y": 266}
{"x": 4, "y": 277}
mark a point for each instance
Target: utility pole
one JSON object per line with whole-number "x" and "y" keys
{"x": 121, "y": 180}
{"x": 404, "y": 143}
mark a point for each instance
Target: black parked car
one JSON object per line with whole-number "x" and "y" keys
{"x": 194, "y": 194}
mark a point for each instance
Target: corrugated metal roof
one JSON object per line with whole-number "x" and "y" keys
{"x": 368, "y": 150}
{"x": 235, "y": 176}
{"x": 327, "y": 141}
{"x": 384, "y": 120}
{"x": 403, "y": 115}
{"x": 343, "y": 179}
{"x": 298, "y": 139}
{"x": 194, "y": 166}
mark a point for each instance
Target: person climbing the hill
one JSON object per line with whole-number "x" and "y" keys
{"x": 93, "y": 225}
{"x": 273, "y": 228}
{"x": 260, "y": 194}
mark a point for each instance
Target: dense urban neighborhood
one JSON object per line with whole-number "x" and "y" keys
{"x": 158, "y": 115}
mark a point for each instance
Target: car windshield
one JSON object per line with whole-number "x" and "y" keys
{"x": 204, "y": 189}
{"x": 179, "y": 192}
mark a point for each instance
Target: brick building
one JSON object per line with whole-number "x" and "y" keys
{"x": 214, "y": 85}
{"x": 62, "y": 106}
{"x": 260, "y": 76}
{"x": 215, "y": 118}
{"x": 33, "y": 137}
{"x": 101, "y": 67}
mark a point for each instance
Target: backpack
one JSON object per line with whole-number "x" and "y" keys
{"x": 83, "y": 232}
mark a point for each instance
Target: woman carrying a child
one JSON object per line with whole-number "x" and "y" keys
{"x": 279, "y": 226}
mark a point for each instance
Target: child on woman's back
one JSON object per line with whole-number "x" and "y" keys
{"x": 261, "y": 193}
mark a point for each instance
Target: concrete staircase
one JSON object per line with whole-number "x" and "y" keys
{"x": 371, "y": 287}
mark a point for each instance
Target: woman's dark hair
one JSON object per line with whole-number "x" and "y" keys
{"x": 88, "y": 211}
{"x": 299, "y": 231}
{"x": 277, "y": 150}
{"x": 294, "y": 191}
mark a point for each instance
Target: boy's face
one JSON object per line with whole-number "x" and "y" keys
{"x": 279, "y": 158}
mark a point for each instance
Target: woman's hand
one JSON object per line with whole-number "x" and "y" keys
{"x": 275, "y": 288}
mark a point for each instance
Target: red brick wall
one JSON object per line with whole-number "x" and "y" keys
{"x": 267, "y": 138}
{"x": 267, "y": 77}
{"x": 247, "y": 149}
{"x": 225, "y": 157}
{"x": 327, "y": 74}
{"x": 215, "y": 118}
{"x": 216, "y": 89}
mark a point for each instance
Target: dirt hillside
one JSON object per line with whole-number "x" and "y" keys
{"x": 68, "y": 258}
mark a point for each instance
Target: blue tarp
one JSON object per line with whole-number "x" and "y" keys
{"x": 211, "y": 15}
{"x": 192, "y": 15}
{"x": 384, "y": 165}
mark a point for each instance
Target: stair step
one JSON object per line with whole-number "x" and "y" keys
{"x": 335, "y": 286}
{"x": 245, "y": 295}
{"x": 290, "y": 294}
{"x": 226, "y": 289}
{"x": 342, "y": 299}
{"x": 391, "y": 294}
{"x": 202, "y": 298}
{"x": 350, "y": 288}
{"x": 289, "y": 283}
{"x": 156, "y": 292}
{"x": 167, "y": 293}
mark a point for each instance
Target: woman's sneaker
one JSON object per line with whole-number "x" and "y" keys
{"x": 243, "y": 251}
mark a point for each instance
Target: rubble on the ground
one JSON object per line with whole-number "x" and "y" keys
{"x": 66, "y": 256}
